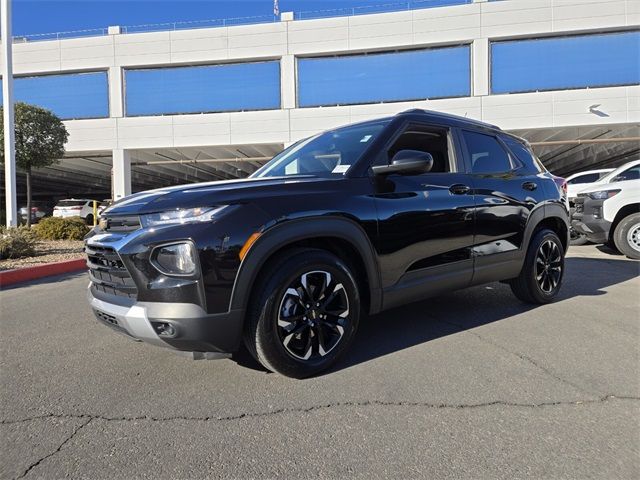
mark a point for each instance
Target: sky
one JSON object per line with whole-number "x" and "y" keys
{"x": 46, "y": 16}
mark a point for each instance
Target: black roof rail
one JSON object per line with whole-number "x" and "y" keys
{"x": 449, "y": 116}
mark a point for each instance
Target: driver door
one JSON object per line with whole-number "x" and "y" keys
{"x": 426, "y": 221}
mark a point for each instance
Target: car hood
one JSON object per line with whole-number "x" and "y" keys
{"x": 596, "y": 187}
{"x": 226, "y": 192}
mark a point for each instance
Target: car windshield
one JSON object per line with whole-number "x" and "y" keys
{"x": 328, "y": 154}
{"x": 625, "y": 172}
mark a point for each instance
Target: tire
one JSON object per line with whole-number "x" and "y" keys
{"x": 300, "y": 331}
{"x": 541, "y": 277}
{"x": 627, "y": 236}
{"x": 577, "y": 238}
{"x": 89, "y": 219}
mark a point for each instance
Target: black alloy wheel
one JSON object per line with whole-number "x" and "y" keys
{"x": 313, "y": 314}
{"x": 541, "y": 276}
{"x": 548, "y": 266}
{"x": 304, "y": 313}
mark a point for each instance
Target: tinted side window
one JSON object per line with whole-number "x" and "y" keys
{"x": 486, "y": 153}
{"x": 523, "y": 153}
{"x": 632, "y": 173}
{"x": 587, "y": 178}
{"x": 427, "y": 139}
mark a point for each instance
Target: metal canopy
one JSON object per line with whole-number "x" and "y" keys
{"x": 88, "y": 174}
{"x": 567, "y": 158}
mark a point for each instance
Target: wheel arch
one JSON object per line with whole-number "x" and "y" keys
{"x": 623, "y": 213}
{"x": 551, "y": 216}
{"x": 341, "y": 236}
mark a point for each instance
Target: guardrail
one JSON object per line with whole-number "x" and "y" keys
{"x": 378, "y": 8}
{"x": 251, "y": 20}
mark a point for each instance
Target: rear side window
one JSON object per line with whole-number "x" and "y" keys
{"x": 586, "y": 178}
{"x": 486, "y": 153}
{"x": 523, "y": 153}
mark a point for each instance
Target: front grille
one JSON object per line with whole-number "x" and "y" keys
{"x": 107, "y": 272}
{"x": 579, "y": 207}
{"x": 122, "y": 224}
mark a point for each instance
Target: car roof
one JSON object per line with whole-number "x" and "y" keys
{"x": 447, "y": 118}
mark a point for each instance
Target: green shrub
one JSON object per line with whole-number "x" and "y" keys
{"x": 57, "y": 228}
{"x": 17, "y": 242}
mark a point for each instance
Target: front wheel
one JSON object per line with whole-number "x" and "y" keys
{"x": 304, "y": 313}
{"x": 541, "y": 276}
{"x": 627, "y": 236}
{"x": 576, "y": 238}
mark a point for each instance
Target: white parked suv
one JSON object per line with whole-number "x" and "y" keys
{"x": 609, "y": 211}
{"x": 75, "y": 207}
{"x": 582, "y": 180}
{"x": 576, "y": 183}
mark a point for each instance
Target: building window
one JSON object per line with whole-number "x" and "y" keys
{"x": 203, "y": 89}
{"x": 569, "y": 62}
{"x": 384, "y": 77}
{"x": 70, "y": 96}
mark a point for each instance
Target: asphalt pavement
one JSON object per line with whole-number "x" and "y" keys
{"x": 472, "y": 384}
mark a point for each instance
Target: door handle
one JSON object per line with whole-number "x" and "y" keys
{"x": 529, "y": 186}
{"x": 459, "y": 189}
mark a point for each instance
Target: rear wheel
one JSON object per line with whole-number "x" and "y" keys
{"x": 304, "y": 314}
{"x": 89, "y": 219}
{"x": 627, "y": 236}
{"x": 541, "y": 276}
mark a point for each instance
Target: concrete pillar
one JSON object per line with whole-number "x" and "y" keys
{"x": 481, "y": 67}
{"x": 116, "y": 92}
{"x": 8, "y": 116}
{"x": 121, "y": 174}
{"x": 288, "y": 81}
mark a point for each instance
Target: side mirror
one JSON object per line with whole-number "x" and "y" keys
{"x": 406, "y": 162}
{"x": 617, "y": 178}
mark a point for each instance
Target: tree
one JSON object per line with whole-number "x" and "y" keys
{"x": 40, "y": 138}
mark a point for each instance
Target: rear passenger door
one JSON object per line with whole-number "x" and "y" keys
{"x": 506, "y": 190}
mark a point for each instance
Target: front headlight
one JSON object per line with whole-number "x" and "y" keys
{"x": 175, "y": 259}
{"x": 602, "y": 194}
{"x": 186, "y": 215}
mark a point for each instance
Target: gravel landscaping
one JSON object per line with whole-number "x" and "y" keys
{"x": 48, "y": 251}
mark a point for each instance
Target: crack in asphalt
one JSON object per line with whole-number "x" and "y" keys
{"x": 281, "y": 411}
{"x": 521, "y": 356}
{"x": 90, "y": 417}
{"x": 42, "y": 459}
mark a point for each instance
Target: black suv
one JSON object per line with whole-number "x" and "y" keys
{"x": 349, "y": 222}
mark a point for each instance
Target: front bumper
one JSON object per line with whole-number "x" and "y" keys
{"x": 200, "y": 334}
{"x": 587, "y": 219}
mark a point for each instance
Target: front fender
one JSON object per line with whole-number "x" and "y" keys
{"x": 280, "y": 235}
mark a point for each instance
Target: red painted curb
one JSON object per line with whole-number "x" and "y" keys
{"x": 19, "y": 275}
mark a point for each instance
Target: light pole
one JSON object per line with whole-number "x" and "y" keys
{"x": 7, "y": 94}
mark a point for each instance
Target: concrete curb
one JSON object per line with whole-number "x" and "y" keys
{"x": 20, "y": 275}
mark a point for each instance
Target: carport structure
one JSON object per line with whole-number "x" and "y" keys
{"x": 568, "y": 150}
{"x": 89, "y": 174}
{"x": 563, "y": 150}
